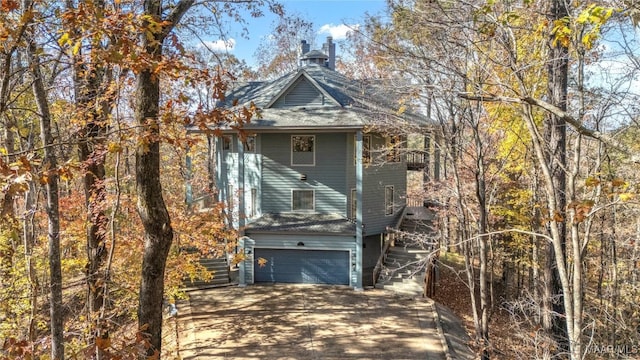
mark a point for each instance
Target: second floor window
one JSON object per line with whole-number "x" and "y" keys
{"x": 302, "y": 200}
{"x": 303, "y": 150}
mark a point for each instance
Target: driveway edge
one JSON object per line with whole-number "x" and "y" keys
{"x": 443, "y": 338}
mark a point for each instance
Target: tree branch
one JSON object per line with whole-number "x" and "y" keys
{"x": 176, "y": 14}
{"x": 577, "y": 125}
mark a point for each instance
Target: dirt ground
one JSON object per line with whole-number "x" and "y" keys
{"x": 307, "y": 322}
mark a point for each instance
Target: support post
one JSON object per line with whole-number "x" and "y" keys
{"x": 359, "y": 224}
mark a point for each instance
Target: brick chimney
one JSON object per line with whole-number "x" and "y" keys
{"x": 329, "y": 48}
{"x": 304, "y": 47}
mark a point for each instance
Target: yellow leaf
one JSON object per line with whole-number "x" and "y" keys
{"x": 76, "y": 48}
{"x": 262, "y": 262}
{"x": 591, "y": 181}
{"x": 64, "y": 39}
{"x": 114, "y": 147}
{"x": 626, "y": 196}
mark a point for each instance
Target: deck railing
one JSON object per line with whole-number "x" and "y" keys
{"x": 416, "y": 159}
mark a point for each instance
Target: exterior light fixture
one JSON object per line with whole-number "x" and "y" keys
{"x": 300, "y": 243}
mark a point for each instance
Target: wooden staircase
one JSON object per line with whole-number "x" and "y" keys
{"x": 219, "y": 268}
{"x": 403, "y": 271}
{"x": 405, "y": 263}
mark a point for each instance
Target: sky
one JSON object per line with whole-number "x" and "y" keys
{"x": 329, "y": 17}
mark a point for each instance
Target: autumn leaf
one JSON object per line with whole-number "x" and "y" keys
{"x": 557, "y": 217}
{"x": 626, "y": 196}
{"x": 9, "y": 5}
{"x": 591, "y": 181}
{"x": 262, "y": 262}
{"x": 103, "y": 343}
{"x": 114, "y": 147}
{"x": 618, "y": 182}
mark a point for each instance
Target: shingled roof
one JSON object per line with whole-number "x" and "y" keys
{"x": 350, "y": 103}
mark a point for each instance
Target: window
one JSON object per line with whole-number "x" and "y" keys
{"x": 303, "y": 150}
{"x": 302, "y": 200}
{"x": 366, "y": 149}
{"x": 388, "y": 200}
{"x": 226, "y": 142}
{"x": 354, "y": 204}
{"x": 250, "y": 144}
{"x": 392, "y": 144}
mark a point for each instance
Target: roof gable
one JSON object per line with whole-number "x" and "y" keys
{"x": 302, "y": 90}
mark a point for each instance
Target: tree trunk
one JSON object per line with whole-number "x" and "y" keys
{"x": 481, "y": 197}
{"x": 158, "y": 233}
{"x": 555, "y": 138}
{"x": 93, "y": 103}
{"x": 52, "y": 205}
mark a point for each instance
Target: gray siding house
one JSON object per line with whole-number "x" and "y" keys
{"x": 310, "y": 186}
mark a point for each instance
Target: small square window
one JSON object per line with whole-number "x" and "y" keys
{"x": 302, "y": 200}
{"x": 303, "y": 150}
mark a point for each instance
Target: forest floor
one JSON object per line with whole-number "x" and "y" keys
{"x": 506, "y": 339}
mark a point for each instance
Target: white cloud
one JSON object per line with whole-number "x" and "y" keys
{"x": 220, "y": 45}
{"x": 338, "y": 32}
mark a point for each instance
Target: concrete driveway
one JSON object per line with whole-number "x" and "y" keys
{"x": 307, "y": 322}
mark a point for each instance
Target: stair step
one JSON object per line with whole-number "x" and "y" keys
{"x": 219, "y": 269}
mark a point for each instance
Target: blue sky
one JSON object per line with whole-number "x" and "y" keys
{"x": 329, "y": 18}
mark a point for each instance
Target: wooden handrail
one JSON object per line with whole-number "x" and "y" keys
{"x": 388, "y": 242}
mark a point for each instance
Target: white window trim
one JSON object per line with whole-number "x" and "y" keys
{"x": 387, "y": 205}
{"x": 313, "y": 193}
{"x": 315, "y": 144}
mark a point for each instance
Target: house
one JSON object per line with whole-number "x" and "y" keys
{"x": 310, "y": 187}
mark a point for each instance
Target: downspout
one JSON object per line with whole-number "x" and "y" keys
{"x": 358, "y": 260}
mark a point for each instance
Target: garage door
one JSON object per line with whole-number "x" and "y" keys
{"x": 302, "y": 266}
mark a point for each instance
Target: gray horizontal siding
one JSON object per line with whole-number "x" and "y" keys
{"x": 373, "y": 185}
{"x": 302, "y": 93}
{"x": 327, "y": 177}
{"x": 375, "y": 177}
